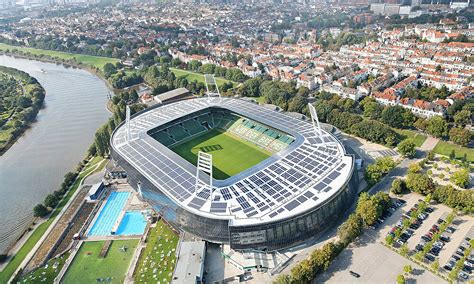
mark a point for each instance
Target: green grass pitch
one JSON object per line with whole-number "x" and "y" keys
{"x": 230, "y": 155}
{"x": 88, "y": 265}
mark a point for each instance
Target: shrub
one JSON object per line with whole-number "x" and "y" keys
{"x": 40, "y": 210}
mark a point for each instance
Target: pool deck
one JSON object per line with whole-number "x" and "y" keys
{"x": 133, "y": 203}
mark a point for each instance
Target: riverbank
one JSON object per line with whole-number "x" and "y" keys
{"x": 33, "y": 239}
{"x": 26, "y": 96}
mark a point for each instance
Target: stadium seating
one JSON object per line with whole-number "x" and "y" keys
{"x": 266, "y": 138}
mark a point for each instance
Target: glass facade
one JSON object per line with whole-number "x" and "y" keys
{"x": 268, "y": 236}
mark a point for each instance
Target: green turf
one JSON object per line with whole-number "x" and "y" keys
{"x": 445, "y": 148}
{"x": 16, "y": 260}
{"x": 161, "y": 240}
{"x": 96, "y": 61}
{"x": 417, "y": 137}
{"x": 193, "y": 76}
{"x": 230, "y": 155}
{"x": 88, "y": 265}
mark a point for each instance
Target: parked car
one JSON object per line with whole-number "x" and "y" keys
{"x": 429, "y": 257}
{"x": 429, "y": 209}
{"x": 450, "y": 230}
{"x": 445, "y": 239}
{"x": 463, "y": 275}
{"x": 419, "y": 247}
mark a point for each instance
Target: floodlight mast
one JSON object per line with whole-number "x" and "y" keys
{"x": 210, "y": 81}
{"x": 204, "y": 164}
{"x": 315, "y": 121}
{"x": 127, "y": 123}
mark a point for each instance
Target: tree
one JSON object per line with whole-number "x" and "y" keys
{"x": 398, "y": 186}
{"x": 435, "y": 265}
{"x": 452, "y": 155}
{"x": 302, "y": 272}
{"x": 401, "y": 279}
{"x": 372, "y": 110}
{"x": 404, "y": 251}
{"x": 392, "y": 115}
{"x": 420, "y": 183}
{"x": 109, "y": 69}
{"x": 407, "y": 268}
{"x": 436, "y": 126}
{"x": 374, "y": 131}
{"x": 461, "y": 178}
{"x": 367, "y": 209}
{"x": 284, "y": 279}
{"x": 407, "y": 148}
{"x": 297, "y": 104}
{"x": 463, "y": 117}
{"x": 414, "y": 168}
{"x": 40, "y": 210}
{"x": 381, "y": 167}
{"x": 460, "y": 136}
{"x": 51, "y": 201}
{"x": 430, "y": 156}
{"x": 350, "y": 229}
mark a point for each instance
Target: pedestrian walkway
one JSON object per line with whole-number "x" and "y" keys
{"x": 429, "y": 144}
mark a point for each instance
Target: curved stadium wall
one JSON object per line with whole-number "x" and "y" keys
{"x": 267, "y": 235}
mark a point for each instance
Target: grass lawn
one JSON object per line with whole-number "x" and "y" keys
{"x": 96, "y": 61}
{"x": 158, "y": 256}
{"x": 88, "y": 265}
{"x": 445, "y": 148}
{"x": 230, "y": 155}
{"x": 16, "y": 260}
{"x": 47, "y": 273}
{"x": 193, "y": 76}
{"x": 406, "y": 133}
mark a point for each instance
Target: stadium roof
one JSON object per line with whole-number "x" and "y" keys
{"x": 306, "y": 174}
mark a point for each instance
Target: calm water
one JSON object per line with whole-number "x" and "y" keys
{"x": 34, "y": 166}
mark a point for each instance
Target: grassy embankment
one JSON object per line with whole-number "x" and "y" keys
{"x": 93, "y": 61}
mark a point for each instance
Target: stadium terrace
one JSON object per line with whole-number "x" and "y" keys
{"x": 296, "y": 192}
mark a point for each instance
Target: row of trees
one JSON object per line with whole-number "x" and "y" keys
{"x": 52, "y": 199}
{"x": 369, "y": 209}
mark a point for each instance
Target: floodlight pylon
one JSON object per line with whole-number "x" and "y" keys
{"x": 314, "y": 119}
{"x": 204, "y": 164}
{"x": 213, "y": 93}
{"x": 127, "y": 123}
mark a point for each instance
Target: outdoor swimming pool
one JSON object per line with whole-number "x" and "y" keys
{"x": 133, "y": 223}
{"x": 108, "y": 215}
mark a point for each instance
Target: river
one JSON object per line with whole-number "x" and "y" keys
{"x": 74, "y": 107}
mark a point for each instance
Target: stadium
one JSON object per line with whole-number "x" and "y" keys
{"x": 230, "y": 171}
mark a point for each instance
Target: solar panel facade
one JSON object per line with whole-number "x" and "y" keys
{"x": 306, "y": 177}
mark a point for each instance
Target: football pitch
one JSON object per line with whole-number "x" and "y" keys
{"x": 89, "y": 267}
{"x": 230, "y": 155}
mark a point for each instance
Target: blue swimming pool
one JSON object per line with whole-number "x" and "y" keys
{"x": 109, "y": 214}
{"x": 133, "y": 223}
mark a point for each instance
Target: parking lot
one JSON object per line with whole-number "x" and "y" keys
{"x": 428, "y": 233}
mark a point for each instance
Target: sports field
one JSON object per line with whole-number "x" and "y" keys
{"x": 89, "y": 267}
{"x": 230, "y": 155}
